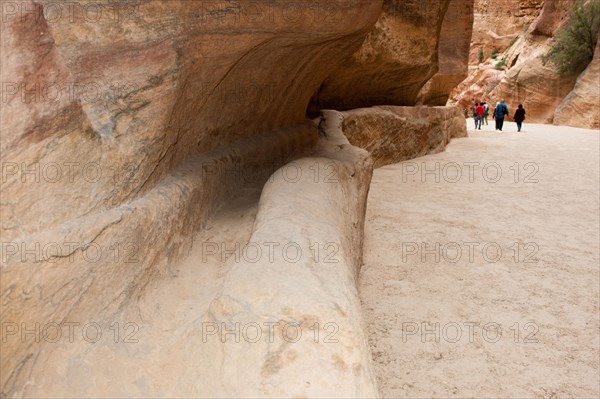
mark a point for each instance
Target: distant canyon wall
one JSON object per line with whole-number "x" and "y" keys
{"x": 522, "y": 31}
{"x": 497, "y": 23}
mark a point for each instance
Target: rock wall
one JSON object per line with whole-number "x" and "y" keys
{"x": 88, "y": 269}
{"x": 498, "y": 22}
{"x": 302, "y": 302}
{"x": 125, "y": 125}
{"x": 132, "y": 91}
{"x": 523, "y": 79}
{"x": 453, "y": 53}
{"x": 396, "y": 134}
{"x": 581, "y": 108}
{"x": 121, "y": 125}
{"x": 397, "y": 58}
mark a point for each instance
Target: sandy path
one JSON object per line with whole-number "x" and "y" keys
{"x": 502, "y": 324}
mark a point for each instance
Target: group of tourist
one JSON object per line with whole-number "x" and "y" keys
{"x": 481, "y": 112}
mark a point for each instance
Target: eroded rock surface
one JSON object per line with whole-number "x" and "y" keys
{"x": 581, "y": 108}
{"x": 163, "y": 109}
{"x": 498, "y": 22}
{"x": 395, "y": 134}
{"x": 265, "y": 306}
{"x": 314, "y": 284}
{"x": 518, "y": 74}
{"x": 124, "y": 126}
{"x": 146, "y": 89}
{"x": 453, "y": 53}
{"x": 397, "y": 58}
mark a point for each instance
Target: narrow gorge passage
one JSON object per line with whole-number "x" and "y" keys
{"x": 160, "y": 350}
{"x": 486, "y": 285}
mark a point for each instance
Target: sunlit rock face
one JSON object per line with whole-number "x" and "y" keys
{"x": 518, "y": 75}
{"x": 527, "y": 81}
{"x": 497, "y": 23}
{"x": 397, "y": 58}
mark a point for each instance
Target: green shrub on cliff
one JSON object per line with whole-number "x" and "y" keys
{"x": 576, "y": 41}
{"x": 481, "y": 56}
{"x": 500, "y": 64}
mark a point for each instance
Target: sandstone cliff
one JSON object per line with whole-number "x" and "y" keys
{"x": 517, "y": 74}
{"x": 497, "y": 23}
{"x": 146, "y": 86}
{"x": 124, "y": 126}
{"x": 453, "y": 53}
{"x": 581, "y": 108}
{"x": 397, "y": 58}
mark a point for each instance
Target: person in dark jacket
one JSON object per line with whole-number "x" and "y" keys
{"x": 500, "y": 112}
{"x": 519, "y": 116}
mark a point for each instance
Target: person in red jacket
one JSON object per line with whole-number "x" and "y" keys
{"x": 479, "y": 111}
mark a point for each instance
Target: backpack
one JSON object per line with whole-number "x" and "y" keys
{"x": 498, "y": 112}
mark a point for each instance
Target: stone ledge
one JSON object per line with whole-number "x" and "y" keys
{"x": 395, "y": 134}
{"x": 311, "y": 291}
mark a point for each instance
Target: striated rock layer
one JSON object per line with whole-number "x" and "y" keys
{"x": 125, "y": 125}
{"x": 397, "y": 58}
{"x": 87, "y": 270}
{"x": 581, "y": 108}
{"x": 122, "y": 129}
{"x": 126, "y": 95}
{"x": 281, "y": 323}
{"x": 498, "y": 22}
{"x": 396, "y": 134}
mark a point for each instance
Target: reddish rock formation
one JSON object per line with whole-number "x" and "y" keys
{"x": 146, "y": 86}
{"x": 123, "y": 127}
{"x": 453, "y": 53}
{"x": 524, "y": 79}
{"x": 498, "y": 22}
{"x": 395, "y": 61}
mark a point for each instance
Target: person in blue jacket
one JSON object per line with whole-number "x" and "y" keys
{"x": 499, "y": 113}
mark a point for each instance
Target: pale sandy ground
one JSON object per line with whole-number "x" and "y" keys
{"x": 538, "y": 316}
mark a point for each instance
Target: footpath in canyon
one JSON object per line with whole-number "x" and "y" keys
{"x": 480, "y": 274}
